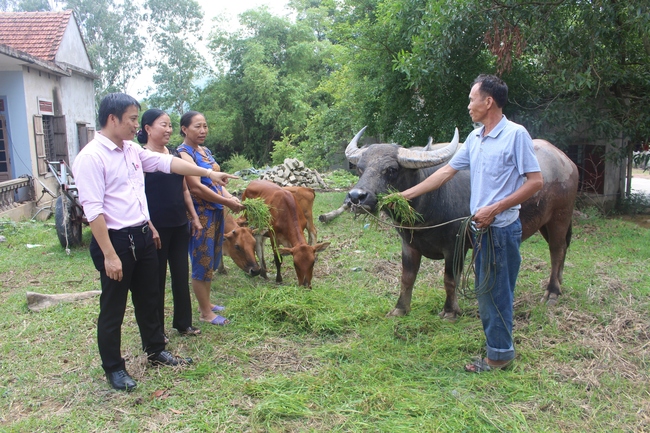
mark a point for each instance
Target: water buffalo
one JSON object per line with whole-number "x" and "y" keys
{"x": 384, "y": 166}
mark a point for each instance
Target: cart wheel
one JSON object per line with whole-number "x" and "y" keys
{"x": 67, "y": 223}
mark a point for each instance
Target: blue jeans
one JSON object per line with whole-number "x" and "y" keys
{"x": 500, "y": 267}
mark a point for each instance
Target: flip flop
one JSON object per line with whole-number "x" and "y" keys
{"x": 218, "y": 320}
{"x": 480, "y": 365}
{"x": 217, "y": 308}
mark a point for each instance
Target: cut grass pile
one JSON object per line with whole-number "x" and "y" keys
{"x": 399, "y": 208}
{"x": 257, "y": 213}
{"x": 326, "y": 359}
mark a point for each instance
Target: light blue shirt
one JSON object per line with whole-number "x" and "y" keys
{"x": 497, "y": 164}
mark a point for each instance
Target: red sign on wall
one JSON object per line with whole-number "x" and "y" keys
{"x": 45, "y": 107}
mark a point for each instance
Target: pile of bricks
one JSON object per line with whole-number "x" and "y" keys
{"x": 293, "y": 172}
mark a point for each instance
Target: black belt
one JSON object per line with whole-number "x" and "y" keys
{"x": 144, "y": 228}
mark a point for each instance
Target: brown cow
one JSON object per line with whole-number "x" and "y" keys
{"x": 288, "y": 220}
{"x": 239, "y": 245}
{"x": 305, "y": 198}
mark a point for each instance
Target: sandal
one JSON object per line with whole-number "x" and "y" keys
{"x": 191, "y": 330}
{"x": 217, "y": 308}
{"x": 218, "y": 320}
{"x": 480, "y": 365}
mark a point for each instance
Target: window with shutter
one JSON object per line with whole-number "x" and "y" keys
{"x": 39, "y": 139}
{"x": 51, "y": 141}
{"x": 59, "y": 149}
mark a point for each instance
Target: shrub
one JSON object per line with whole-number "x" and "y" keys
{"x": 340, "y": 179}
{"x": 235, "y": 163}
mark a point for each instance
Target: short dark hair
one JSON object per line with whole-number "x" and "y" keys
{"x": 115, "y": 104}
{"x": 186, "y": 119}
{"x": 148, "y": 117}
{"x": 493, "y": 86}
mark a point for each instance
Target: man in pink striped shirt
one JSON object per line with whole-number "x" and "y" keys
{"x": 109, "y": 174}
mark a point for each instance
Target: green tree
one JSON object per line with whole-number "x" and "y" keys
{"x": 110, "y": 31}
{"x": 265, "y": 88}
{"x": 375, "y": 80}
{"x": 575, "y": 69}
{"x": 175, "y": 29}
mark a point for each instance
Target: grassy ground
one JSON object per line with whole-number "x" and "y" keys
{"x": 326, "y": 359}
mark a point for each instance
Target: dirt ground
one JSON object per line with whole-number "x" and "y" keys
{"x": 637, "y": 172}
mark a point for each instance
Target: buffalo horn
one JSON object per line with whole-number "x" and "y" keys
{"x": 429, "y": 144}
{"x": 411, "y": 158}
{"x": 352, "y": 152}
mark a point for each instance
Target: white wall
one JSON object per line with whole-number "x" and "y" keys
{"x": 73, "y": 97}
{"x": 78, "y": 103}
{"x": 39, "y": 84}
{"x": 72, "y": 49}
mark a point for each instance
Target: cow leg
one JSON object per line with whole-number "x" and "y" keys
{"x": 277, "y": 260}
{"x": 259, "y": 250}
{"x": 557, "y": 236}
{"x": 450, "y": 311}
{"x": 311, "y": 229}
{"x": 221, "y": 269}
{"x": 411, "y": 259}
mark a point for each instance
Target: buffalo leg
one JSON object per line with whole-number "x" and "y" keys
{"x": 411, "y": 259}
{"x": 557, "y": 238}
{"x": 451, "y": 310}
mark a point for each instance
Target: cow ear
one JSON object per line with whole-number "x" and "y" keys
{"x": 285, "y": 251}
{"x": 321, "y": 247}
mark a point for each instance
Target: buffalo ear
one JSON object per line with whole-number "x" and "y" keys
{"x": 321, "y": 247}
{"x": 285, "y": 251}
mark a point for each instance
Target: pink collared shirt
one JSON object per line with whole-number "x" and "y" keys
{"x": 110, "y": 180}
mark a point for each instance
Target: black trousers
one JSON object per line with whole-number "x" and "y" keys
{"x": 140, "y": 276}
{"x": 175, "y": 242}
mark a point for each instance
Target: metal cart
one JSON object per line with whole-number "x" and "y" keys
{"x": 68, "y": 213}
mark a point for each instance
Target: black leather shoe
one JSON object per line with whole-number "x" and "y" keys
{"x": 121, "y": 380}
{"x": 166, "y": 358}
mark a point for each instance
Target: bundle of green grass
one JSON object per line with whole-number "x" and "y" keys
{"x": 257, "y": 213}
{"x": 399, "y": 208}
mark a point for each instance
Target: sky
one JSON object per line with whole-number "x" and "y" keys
{"x": 232, "y": 8}
{"x": 211, "y": 9}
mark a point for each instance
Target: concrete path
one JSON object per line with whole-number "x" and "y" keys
{"x": 640, "y": 185}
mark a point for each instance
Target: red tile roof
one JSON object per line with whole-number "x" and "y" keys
{"x": 38, "y": 34}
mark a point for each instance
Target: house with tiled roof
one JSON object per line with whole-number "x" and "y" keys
{"x": 47, "y": 105}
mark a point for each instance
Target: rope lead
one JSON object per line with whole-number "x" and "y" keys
{"x": 463, "y": 274}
